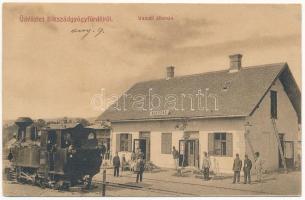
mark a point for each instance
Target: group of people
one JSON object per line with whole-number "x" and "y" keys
{"x": 137, "y": 164}
{"x": 237, "y": 167}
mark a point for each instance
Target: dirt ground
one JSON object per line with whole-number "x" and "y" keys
{"x": 165, "y": 183}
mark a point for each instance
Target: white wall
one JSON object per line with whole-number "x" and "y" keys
{"x": 261, "y": 133}
{"x": 222, "y": 164}
{"x": 219, "y": 164}
{"x": 163, "y": 160}
{"x": 170, "y": 125}
{"x": 135, "y": 135}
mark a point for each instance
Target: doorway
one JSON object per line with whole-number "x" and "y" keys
{"x": 142, "y": 145}
{"x": 145, "y": 136}
{"x": 289, "y": 153}
{"x": 189, "y": 153}
{"x": 51, "y": 149}
{"x": 51, "y": 140}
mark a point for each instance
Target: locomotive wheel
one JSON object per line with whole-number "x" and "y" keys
{"x": 58, "y": 185}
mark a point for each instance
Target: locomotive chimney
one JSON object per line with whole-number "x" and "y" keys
{"x": 23, "y": 123}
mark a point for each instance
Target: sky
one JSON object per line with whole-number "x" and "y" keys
{"x": 49, "y": 71}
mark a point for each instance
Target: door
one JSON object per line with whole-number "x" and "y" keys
{"x": 289, "y": 153}
{"x": 106, "y": 142}
{"x": 141, "y": 144}
{"x": 189, "y": 153}
{"x": 145, "y": 135}
{"x": 147, "y": 153}
{"x": 51, "y": 149}
{"x": 196, "y": 153}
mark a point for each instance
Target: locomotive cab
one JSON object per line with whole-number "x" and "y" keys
{"x": 71, "y": 151}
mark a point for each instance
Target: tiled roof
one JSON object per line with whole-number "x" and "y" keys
{"x": 237, "y": 94}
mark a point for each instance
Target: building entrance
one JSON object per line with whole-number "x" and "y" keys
{"x": 189, "y": 153}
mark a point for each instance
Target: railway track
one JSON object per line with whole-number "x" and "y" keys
{"x": 181, "y": 183}
{"x": 148, "y": 189}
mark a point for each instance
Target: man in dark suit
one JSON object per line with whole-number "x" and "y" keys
{"x": 140, "y": 166}
{"x": 247, "y": 170}
{"x": 116, "y": 164}
{"x": 237, "y": 164}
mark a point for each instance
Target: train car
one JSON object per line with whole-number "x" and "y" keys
{"x": 58, "y": 156}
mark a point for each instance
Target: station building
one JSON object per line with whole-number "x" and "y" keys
{"x": 238, "y": 110}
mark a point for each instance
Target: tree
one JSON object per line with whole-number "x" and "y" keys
{"x": 40, "y": 123}
{"x": 83, "y": 121}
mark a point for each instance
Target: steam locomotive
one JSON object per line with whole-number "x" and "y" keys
{"x": 58, "y": 156}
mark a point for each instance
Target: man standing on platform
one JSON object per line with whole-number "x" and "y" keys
{"x": 206, "y": 163}
{"x": 116, "y": 164}
{"x": 237, "y": 164}
{"x": 247, "y": 170}
{"x": 176, "y": 157}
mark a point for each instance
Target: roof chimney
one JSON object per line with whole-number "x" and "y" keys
{"x": 235, "y": 62}
{"x": 170, "y": 71}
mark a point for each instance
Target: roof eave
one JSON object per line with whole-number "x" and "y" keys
{"x": 177, "y": 118}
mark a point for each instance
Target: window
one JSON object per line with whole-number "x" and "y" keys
{"x": 220, "y": 144}
{"x": 166, "y": 143}
{"x": 66, "y": 140}
{"x": 124, "y": 142}
{"x": 226, "y": 85}
{"x": 33, "y": 134}
{"x": 273, "y": 96}
{"x": 91, "y": 136}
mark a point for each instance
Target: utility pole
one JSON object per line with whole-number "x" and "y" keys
{"x": 104, "y": 183}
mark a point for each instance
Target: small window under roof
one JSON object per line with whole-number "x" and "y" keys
{"x": 226, "y": 85}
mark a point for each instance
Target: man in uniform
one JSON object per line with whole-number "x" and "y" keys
{"x": 237, "y": 164}
{"x": 140, "y": 165}
{"x": 247, "y": 170}
{"x": 206, "y": 163}
{"x": 116, "y": 164}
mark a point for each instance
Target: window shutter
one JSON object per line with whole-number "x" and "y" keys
{"x": 166, "y": 143}
{"x": 118, "y": 138}
{"x": 169, "y": 145}
{"x": 129, "y": 142}
{"x": 211, "y": 144}
{"x": 162, "y": 143}
{"x": 229, "y": 144}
